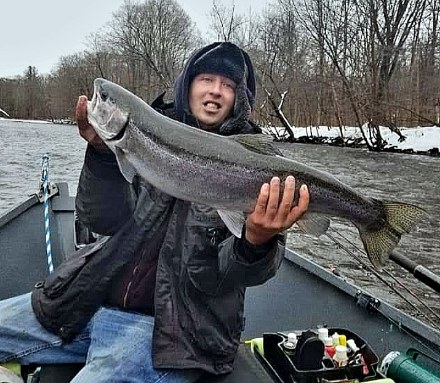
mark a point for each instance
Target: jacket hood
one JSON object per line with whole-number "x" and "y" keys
{"x": 223, "y": 58}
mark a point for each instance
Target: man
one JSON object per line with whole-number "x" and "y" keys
{"x": 175, "y": 307}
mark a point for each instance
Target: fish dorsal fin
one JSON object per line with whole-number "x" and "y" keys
{"x": 258, "y": 143}
{"x": 234, "y": 221}
{"x": 314, "y": 224}
{"x": 126, "y": 168}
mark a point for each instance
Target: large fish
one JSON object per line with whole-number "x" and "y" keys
{"x": 227, "y": 172}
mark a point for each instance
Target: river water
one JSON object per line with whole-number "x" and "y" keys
{"x": 408, "y": 178}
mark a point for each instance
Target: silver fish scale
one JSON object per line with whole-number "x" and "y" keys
{"x": 186, "y": 176}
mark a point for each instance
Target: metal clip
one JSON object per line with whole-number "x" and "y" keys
{"x": 367, "y": 302}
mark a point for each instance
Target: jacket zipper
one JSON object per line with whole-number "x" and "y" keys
{"x": 127, "y": 290}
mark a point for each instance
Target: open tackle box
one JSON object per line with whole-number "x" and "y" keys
{"x": 310, "y": 363}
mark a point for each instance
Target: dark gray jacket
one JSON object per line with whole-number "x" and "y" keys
{"x": 202, "y": 270}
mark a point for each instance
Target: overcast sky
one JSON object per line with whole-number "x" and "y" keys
{"x": 38, "y": 33}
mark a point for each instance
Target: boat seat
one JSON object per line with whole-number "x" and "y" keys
{"x": 247, "y": 369}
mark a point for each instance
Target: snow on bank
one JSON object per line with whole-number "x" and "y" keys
{"x": 417, "y": 139}
{"x": 30, "y": 121}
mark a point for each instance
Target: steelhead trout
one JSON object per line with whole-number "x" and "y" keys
{"x": 227, "y": 173}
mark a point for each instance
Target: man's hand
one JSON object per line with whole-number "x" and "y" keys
{"x": 85, "y": 129}
{"x": 271, "y": 217}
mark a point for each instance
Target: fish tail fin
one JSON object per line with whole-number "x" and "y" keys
{"x": 399, "y": 218}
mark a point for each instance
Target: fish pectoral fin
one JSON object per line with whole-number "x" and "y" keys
{"x": 234, "y": 221}
{"x": 126, "y": 168}
{"x": 259, "y": 143}
{"x": 380, "y": 241}
{"x": 314, "y": 224}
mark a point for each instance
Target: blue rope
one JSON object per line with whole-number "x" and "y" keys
{"x": 45, "y": 186}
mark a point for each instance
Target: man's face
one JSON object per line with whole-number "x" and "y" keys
{"x": 211, "y": 99}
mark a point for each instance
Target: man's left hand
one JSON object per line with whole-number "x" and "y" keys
{"x": 271, "y": 216}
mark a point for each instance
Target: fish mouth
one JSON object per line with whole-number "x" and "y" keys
{"x": 109, "y": 122}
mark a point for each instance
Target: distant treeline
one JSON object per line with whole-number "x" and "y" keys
{"x": 318, "y": 62}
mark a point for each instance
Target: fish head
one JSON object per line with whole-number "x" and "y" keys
{"x": 106, "y": 111}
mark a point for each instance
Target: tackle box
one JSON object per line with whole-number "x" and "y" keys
{"x": 314, "y": 368}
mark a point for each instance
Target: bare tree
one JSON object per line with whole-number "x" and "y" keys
{"x": 31, "y": 94}
{"x": 392, "y": 23}
{"x": 429, "y": 71}
{"x": 226, "y": 22}
{"x": 334, "y": 26}
{"x": 342, "y": 62}
{"x": 376, "y": 32}
{"x": 154, "y": 38}
{"x": 280, "y": 58}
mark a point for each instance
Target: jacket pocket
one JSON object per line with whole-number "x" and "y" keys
{"x": 204, "y": 231}
{"x": 215, "y": 322}
{"x": 55, "y": 284}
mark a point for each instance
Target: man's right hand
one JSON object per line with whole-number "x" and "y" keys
{"x": 85, "y": 129}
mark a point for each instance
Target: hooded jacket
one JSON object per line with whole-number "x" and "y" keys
{"x": 202, "y": 270}
{"x": 229, "y": 60}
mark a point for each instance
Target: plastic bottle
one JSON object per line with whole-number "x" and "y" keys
{"x": 340, "y": 358}
{"x": 352, "y": 345}
{"x": 329, "y": 348}
{"x": 335, "y": 338}
{"x": 289, "y": 344}
{"x": 342, "y": 340}
{"x": 322, "y": 333}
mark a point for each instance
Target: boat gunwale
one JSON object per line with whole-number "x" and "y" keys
{"x": 391, "y": 313}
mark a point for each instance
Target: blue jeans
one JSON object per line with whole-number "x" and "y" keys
{"x": 115, "y": 346}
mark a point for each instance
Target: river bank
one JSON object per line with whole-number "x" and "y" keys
{"x": 419, "y": 140}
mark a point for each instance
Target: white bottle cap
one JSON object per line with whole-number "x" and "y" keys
{"x": 352, "y": 344}
{"x": 322, "y": 333}
{"x": 341, "y": 353}
{"x": 328, "y": 341}
{"x": 292, "y": 338}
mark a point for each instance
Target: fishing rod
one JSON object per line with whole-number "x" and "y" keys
{"x": 420, "y": 272}
{"x": 422, "y": 345}
{"x": 383, "y": 280}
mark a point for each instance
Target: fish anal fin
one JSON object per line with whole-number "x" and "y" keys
{"x": 314, "y": 224}
{"x": 126, "y": 168}
{"x": 234, "y": 221}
